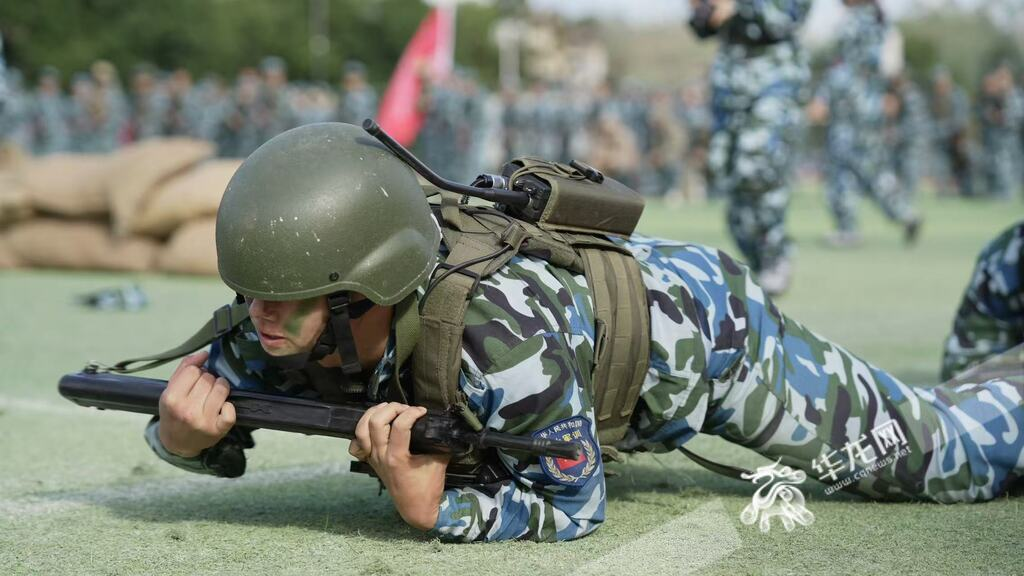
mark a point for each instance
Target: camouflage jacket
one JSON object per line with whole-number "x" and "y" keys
{"x": 526, "y": 363}
{"x": 950, "y": 115}
{"x": 990, "y": 319}
{"x": 743, "y": 71}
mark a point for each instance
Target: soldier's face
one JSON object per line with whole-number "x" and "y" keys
{"x": 290, "y": 326}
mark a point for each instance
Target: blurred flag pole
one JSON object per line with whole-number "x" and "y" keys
{"x": 3, "y": 75}
{"x": 429, "y": 55}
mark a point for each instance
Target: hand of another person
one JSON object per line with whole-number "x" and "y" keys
{"x": 722, "y": 10}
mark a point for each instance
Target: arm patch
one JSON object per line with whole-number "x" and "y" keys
{"x": 562, "y": 470}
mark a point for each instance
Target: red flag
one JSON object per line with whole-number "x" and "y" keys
{"x": 430, "y": 51}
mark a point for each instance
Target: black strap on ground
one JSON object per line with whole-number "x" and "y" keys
{"x": 723, "y": 469}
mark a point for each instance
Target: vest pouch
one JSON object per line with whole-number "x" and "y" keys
{"x": 563, "y": 198}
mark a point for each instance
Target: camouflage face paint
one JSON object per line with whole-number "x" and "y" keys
{"x": 293, "y": 326}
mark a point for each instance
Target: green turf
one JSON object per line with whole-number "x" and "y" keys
{"x": 80, "y": 492}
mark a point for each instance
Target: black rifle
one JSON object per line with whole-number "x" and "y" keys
{"x": 434, "y": 433}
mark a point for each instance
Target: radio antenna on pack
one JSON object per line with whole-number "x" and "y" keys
{"x": 497, "y": 195}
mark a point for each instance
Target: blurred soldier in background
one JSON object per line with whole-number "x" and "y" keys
{"x": 950, "y": 120}
{"x": 542, "y": 137}
{"x": 514, "y": 119}
{"x": 469, "y": 126}
{"x": 667, "y": 146}
{"x": 574, "y": 106}
{"x": 613, "y": 147}
{"x": 83, "y": 115}
{"x": 3, "y": 76}
{"x": 110, "y": 108}
{"x": 1000, "y": 113}
{"x": 214, "y": 107}
{"x": 852, "y": 99}
{"x": 758, "y": 84}
{"x": 150, "y": 104}
{"x": 696, "y": 117}
{"x": 358, "y": 99}
{"x": 49, "y": 115}
{"x": 315, "y": 103}
{"x": 184, "y": 108}
{"x": 455, "y": 115}
{"x": 15, "y": 117}
{"x": 275, "y": 110}
{"x": 442, "y": 106}
{"x": 906, "y": 130}
{"x": 243, "y": 124}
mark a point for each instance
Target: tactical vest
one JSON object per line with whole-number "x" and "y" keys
{"x": 570, "y": 233}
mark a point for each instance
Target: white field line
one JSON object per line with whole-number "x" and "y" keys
{"x": 62, "y": 502}
{"x": 681, "y": 546}
{"x": 64, "y": 409}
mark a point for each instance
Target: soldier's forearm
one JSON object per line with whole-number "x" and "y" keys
{"x": 194, "y": 464}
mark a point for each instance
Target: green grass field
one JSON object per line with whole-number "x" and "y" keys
{"x": 80, "y": 492}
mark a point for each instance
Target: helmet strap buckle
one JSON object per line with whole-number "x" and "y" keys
{"x": 341, "y": 327}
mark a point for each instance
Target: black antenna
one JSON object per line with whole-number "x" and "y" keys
{"x": 499, "y": 195}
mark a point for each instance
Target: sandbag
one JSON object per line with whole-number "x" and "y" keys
{"x": 11, "y": 155}
{"x": 192, "y": 249}
{"x": 82, "y": 245}
{"x": 136, "y": 170}
{"x": 15, "y": 203}
{"x": 66, "y": 184}
{"x": 7, "y": 257}
{"x": 188, "y": 196}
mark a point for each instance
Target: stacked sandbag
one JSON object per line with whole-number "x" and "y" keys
{"x": 137, "y": 171}
{"x": 191, "y": 250}
{"x": 77, "y": 244}
{"x": 11, "y": 155}
{"x": 67, "y": 185}
{"x": 7, "y": 257}
{"x": 193, "y": 195}
{"x": 15, "y": 200}
{"x": 150, "y": 205}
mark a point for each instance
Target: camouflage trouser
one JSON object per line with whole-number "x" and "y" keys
{"x": 849, "y": 175}
{"x": 990, "y": 319}
{"x": 906, "y": 163}
{"x": 750, "y": 159}
{"x": 795, "y": 396}
{"x": 1002, "y": 154}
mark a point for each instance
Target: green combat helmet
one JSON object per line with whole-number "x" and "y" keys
{"x": 326, "y": 210}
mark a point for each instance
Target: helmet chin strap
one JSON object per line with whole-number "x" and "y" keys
{"x": 337, "y": 335}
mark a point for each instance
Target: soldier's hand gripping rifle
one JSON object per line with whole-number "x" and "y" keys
{"x": 434, "y": 433}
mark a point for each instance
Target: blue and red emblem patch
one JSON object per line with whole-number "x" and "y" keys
{"x": 563, "y": 470}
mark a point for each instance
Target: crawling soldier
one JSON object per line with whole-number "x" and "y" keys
{"x": 329, "y": 239}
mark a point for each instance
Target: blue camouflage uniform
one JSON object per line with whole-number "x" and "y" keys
{"x": 724, "y": 360}
{"x": 990, "y": 319}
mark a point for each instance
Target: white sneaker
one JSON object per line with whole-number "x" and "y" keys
{"x": 843, "y": 239}
{"x": 775, "y": 280}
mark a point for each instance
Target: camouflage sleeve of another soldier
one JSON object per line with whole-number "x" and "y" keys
{"x": 527, "y": 348}
{"x": 990, "y": 319}
{"x": 226, "y": 458}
